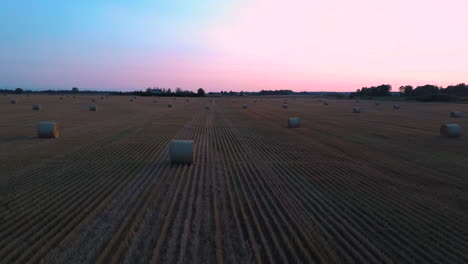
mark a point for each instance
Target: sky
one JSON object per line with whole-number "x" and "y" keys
{"x": 223, "y": 45}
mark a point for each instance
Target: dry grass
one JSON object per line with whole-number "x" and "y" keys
{"x": 381, "y": 186}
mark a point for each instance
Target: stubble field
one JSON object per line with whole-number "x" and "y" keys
{"x": 378, "y": 186}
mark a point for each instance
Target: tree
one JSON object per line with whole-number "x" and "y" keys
{"x": 381, "y": 90}
{"x": 406, "y": 90}
{"x": 427, "y": 89}
{"x": 460, "y": 89}
{"x": 201, "y": 92}
{"x": 75, "y": 90}
{"x": 18, "y": 90}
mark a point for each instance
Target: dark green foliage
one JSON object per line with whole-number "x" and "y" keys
{"x": 201, "y": 92}
{"x": 424, "y": 90}
{"x": 381, "y": 90}
{"x": 276, "y": 92}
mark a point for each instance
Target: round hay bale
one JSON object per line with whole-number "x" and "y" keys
{"x": 244, "y": 106}
{"x": 131, "y": 100}
{"x": 36, "y": 107}
{"x": 285, "y": 105}
{"x": 61, "y": 97}
{"x": 294, "y": 122}
{"x": 207, "y": 107}
{"x": 155, "y": 101}
{"x": 92, "y": 108}
{"x": 356, "y": 110}
{"x": 102, "y": 97}
{"x": 169, "y": 105}
{"x": 181, "y": 151}
{"x": 450, "y": 130}
{"x": 455, "y": 114}
{"x": 48, "y": 130}
{"x": 396, "y": 106}
{"x": 13, "y": 101}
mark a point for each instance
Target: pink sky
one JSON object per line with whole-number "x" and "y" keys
{"x": 302, "y": 45}
{"x": 343, "y": 45}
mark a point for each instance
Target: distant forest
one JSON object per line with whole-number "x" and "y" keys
{"x": 148, "y": 92}
{"x": 426, "y": 92}
{"x": 408, "y": 90}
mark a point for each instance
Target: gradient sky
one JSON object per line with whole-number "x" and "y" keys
{"x": 302, "y": 45}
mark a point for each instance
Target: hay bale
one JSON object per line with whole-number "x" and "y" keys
{"x": 285, "y": 105}
{"x": 455, "y": 114}
{"x": 13, "y": 101}
{"x": 294, "y": 122}
{"x": 450, "y": 130}
{"x": 187, "y": 100}
{"x": 48, "y": 130}
{"x": 356, "y": 110}
{"x": 155, "y": 101}
{"x": 207, "y": 107}
{"x": 92, "y": 108}
{"x": 181, "y": 151}
{"x": 131, "y": 100}
{"x": 36, "y": 107}
{"x": 61, "y": 97}
{"x": 326, "y": 103}
{"x": 244, "y": 106}
{"x": 169, "y": 105}
{"x": 102, "y": 97}
{"x": 396, "y": 106}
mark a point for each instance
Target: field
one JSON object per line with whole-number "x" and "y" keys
{"x": 378, "y": 186}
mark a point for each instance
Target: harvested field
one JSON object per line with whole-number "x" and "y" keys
{"x": 380, "y": 186}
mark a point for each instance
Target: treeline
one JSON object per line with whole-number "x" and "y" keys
{"x": 262, "y": 92}
{"x": 161, "y": 92}
{"x": 381, "y": 90}
{"x": 148, "y": 92}
{"x": 276, "y": 92}
{"x": 428, "y": 89}
{"x": 74, "y": 90}
{"x": 408, "y": 90}
{"x": 231, "y": 93}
